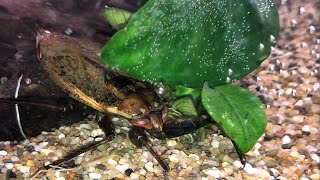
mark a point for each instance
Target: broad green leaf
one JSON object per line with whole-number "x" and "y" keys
{"x": 188, "y": 42}
{"x": 118, "y": 18}
{"x": 237, "y": 111}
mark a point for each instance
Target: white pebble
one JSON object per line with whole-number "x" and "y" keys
{"x": 252, "y": 170}
{"x": 94, "y": 175}
{"x": 275, "y": 172}
{"x": 173, "y": 158}
{"x": 306, "y": 128}
{"x": 316, "y": 158}
{"x": 24, "y": 169}
{"x": 134, "y": 176}
{"x": 248, "y": 167}
{"x": 46, "y": 151}
{"x": 149, "y": 166}
{"x": 14, "y": 159}
{"x": 8, "y": 165}
{"x": 96, "y": 132}
{"x": 171, "y": 142}
{"x": 61, "y": 136}
{"x": 91, "y": 169}
{"x": 215, "y": 144}
{"x": 120, "y": 168}
{"x": 286, "y": 139}
{"x": 214, "y": 173}
{"x": 3, "y": 153}
{"x": 111, "y": 161}
{"x": 196, "y": 157}
{"x": 142, "y": 172}
{"x": 237, "y": 164}
{"x": 85, "y": 126}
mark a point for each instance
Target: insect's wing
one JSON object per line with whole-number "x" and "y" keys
{"x": 76, "y": 68}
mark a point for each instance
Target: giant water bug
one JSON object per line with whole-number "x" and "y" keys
{"x": 75, "y": 67}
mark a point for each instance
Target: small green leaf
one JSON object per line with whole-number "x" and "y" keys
{"x": 185, "y": 91}
{"x": 185, "y": 106}
{"x": 118, "y": 18}
{"x": 237, "y": 111}
{"x": 188, "y": 42}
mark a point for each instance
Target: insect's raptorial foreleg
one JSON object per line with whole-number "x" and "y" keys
{"x": 139, "y": 138}
{"x": 184, "y": 125}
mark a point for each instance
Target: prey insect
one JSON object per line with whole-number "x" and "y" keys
{"x": 77, "y": 69}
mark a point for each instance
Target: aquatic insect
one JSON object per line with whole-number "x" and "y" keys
{"x": 76, "y": 68}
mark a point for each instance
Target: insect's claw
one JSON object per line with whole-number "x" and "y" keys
{"x": 240, "y": 155}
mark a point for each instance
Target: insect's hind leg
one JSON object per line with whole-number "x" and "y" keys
{"x": 186, "y": 125}
{"x": 106, "y": 125}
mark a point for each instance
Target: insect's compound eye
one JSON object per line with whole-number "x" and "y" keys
{"x": 133, "y": 105}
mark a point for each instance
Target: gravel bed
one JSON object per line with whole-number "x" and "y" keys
{"x": 287, "y": 83}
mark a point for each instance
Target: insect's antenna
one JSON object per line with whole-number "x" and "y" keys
{"x": 17, "y": 108}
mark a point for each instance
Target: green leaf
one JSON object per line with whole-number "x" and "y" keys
{"x": 188, "y": 42}
{"x": 185, "y": 106}
{"x": 118, "y": 18}
{"x": 185, "y": 91}
{"x": 238, "y": 112}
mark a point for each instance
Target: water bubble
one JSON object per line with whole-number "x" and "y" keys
{"x": 230, "y": 71}
{"x": 301, "y": 10}
{"x": 28, "y": 81}
{"x": 68, "y": 31}
{"x": 3, "y": 80}
{"x": 261, "y": 47}
{"x": 228, "y": 80}
{"x": 161, "y": 90}
{"x": 272, "y": 39}
{"x": 312, "y": 29}
{"x": 293, "y": 22}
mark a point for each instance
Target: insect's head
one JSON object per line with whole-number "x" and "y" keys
{"x": 146, "y": 108}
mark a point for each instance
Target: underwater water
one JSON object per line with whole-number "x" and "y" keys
{"x": 287, "y": 83}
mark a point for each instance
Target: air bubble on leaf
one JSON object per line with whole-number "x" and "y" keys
{"x": 228, "y": 80}
{"x": 28, "y": 81}
{"x": 261, "y": 47}
{"x": 272, "y": 39}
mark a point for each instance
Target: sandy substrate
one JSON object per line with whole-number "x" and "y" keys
{"x": 288, "y": 84}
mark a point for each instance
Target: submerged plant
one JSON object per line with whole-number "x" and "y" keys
{"x": 196, "y": 47}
